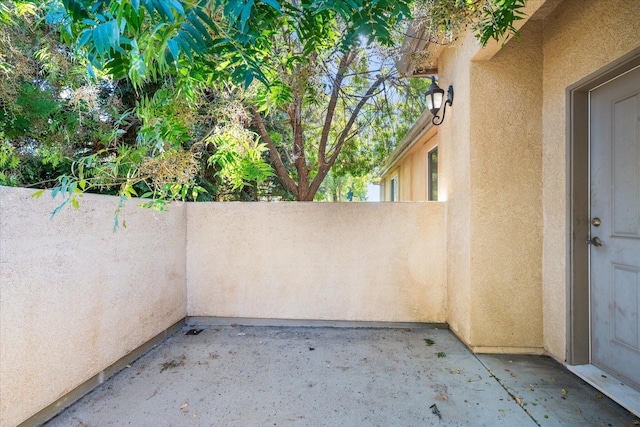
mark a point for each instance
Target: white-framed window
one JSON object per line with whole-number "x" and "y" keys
{"x": 432, "y": 174}
{"x": 394, "y": 189}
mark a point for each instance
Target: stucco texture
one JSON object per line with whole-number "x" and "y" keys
{"x": 506, "y": 188}
{"x": 580, "y": 37}
{"x": 506, "y": 147}
{"x": 339, "y": 261}
{"x": 454, "y": 150}
{"x": 75, "y": 297}
{"x": 412, "y": 172}
{"x": 492, "y": 142}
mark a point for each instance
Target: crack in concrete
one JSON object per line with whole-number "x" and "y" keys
{"x": 506, "y": 388}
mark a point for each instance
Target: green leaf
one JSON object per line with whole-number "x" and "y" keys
{"x": 274, "y": 4}
{"x": 202, "y": 30}
{"x": 84, "y": 38}
{"x": 166, "y": 11}
{"x": 106, "y": 37}
{"x": 59, "y": 208}
{"x": 204, "y": 18}
{"x": 174, "y": 49}
{"x": 246, "y": 13}
{"x": 197, "y": 37}
{"x": 37, "y": 194}
{"x": 77, "y": 10}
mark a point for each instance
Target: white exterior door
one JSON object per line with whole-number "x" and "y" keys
{"x": 615, "y": 227}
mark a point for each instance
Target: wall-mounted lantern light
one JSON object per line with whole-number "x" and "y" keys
{"x": 434, "y": 101}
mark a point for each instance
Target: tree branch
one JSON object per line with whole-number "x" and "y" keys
{"x": 273, "y": 153}
{"x": 299, "y": 157}
{"x": 354, "y": 116}
{"x": 345, "y": 61}
{"x": 322, "y": 171}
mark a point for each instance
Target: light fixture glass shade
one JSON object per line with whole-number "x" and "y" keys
{"x": 434, "y": 96}
{"x": 434, "y": 102}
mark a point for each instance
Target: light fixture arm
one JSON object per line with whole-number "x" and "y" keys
{"x": 437, "y": 120}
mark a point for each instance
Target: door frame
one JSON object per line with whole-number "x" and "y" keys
{"x": 578, "y": 304}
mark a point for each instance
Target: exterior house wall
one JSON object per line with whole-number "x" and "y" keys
{"x": 403, "y": 173}
{"x": 492, "y": 138}
{"x": 455, "y": 153}
{"x": 385, "y": 185}
{"x": 580, "y": 37}
{"x": 492, "y": 261}
{"x": 412, "y": 172}
{"x": 506, "y": 197}
{"x": 329, "y": 261}
{"x": 505, "y": 145}
{"x": 75, "y": 297}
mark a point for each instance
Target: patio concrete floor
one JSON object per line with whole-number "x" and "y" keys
{"x": 320, "y": 376}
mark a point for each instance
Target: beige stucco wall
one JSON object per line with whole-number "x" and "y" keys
{"x": 75, "y": 297}
{"x": 411, "y": 170}
{"x": 506, "y": 188}
{"x": 454, "y": 150}
{"x": 492, "y": 142}
{"x": 338, "y": 261}
{"x": 505, "y": 144}
{"x": 580, "y": 37}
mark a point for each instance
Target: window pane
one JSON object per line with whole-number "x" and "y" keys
{"x": 432, "y": 175}
{"x": 394, "y": 189}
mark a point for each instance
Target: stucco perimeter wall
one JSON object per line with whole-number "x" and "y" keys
{"x": 329, "y": 261}
{"x": 580, "y": 37}
{"x": 75, "y": 297}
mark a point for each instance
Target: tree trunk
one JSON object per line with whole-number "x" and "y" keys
{"x": 305, "y": 189}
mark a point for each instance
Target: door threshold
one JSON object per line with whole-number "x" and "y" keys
{"x": 616, "y": 390}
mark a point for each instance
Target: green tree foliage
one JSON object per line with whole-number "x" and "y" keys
{"x": 343, "y": 188}
{"x": 384, "y": 121}
{"x": 239, "y": 158}
{"x": 201, "y": 40}
{"x": 332, "y": 98}
{"x": 444, "y": 20}
{"x": 48, "y": 111}
{"x": 179, "y": 89}
{"x": 101, "y": 134}
{"x": 300, "y": 52}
